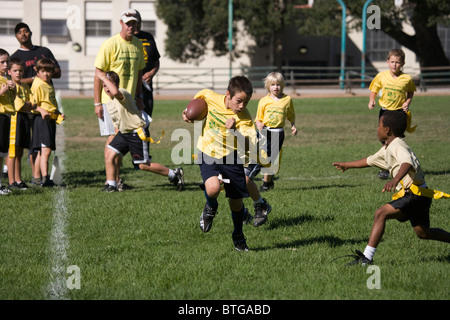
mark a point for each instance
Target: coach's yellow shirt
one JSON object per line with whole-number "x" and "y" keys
{"x": 126, "y": 58}
{"x": 273, "y": 113}
{"x": 6, "y": 99}
{"x": 44, "y": 95}
{"x": 216, "y": 140}
{"x": 393, "y": 90}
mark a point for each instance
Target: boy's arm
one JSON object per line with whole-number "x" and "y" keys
{"x": 372, "y": 97}
{"x": 404, "y": 169}
{"x": 98, "y": 96}
{"x": 362, "y": 163}
{"x": 409, "y": 96}
{"x": 109, "y": 84}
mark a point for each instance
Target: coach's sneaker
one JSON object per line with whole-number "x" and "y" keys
{"x": 266, "y": 186}
{"x": 240, "y": 243}
{"x": 359, "y": 258}
{"x": 207, "y": 217}
{"x": 178, "y": 180}
{"x": 247, "y": 217}
{"x": 261, "y": 212}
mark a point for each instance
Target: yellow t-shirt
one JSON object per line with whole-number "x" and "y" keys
{"x": 216, "y": 140}
{"x": 44, "y": 95}
{"x": 6, "y": 99}
{"x": 125, "y": 115}
{"x": 393, "y": 90}
{"x": 273, "y": 113}
{"x": 23, "y": 95}
{"x": 126, "y": 58}
{"x": 392, "y": 157}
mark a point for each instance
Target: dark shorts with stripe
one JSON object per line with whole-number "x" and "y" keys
{"x": 415, "y": 208}
{"x": 23, "y": 130}
{"x": 130, "y": 142}
{"x": 4, "y": 132}
{"x": 44, "y": 133}
{"x": 232, "y": 170}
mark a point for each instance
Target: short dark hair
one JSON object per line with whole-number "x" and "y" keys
{"x": 21, "y": 25}
{"x": 114, "y": 77}
{"x": 240, "y": 84}
{"x": 3, "y": 52}
{"x": 45, "y": 64}
{"x": 396, "y": 121}
{"x": 16, "y": 61}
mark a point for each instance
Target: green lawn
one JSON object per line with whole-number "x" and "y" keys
{"x": 146, "y": 243}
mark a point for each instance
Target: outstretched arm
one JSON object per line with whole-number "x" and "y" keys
{"x": 362, "y": 163}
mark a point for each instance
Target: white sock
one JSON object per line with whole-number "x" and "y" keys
{"x": 112, "y": 183}
{"x": 369, "y": 252}
{"x": 171, "y": 174}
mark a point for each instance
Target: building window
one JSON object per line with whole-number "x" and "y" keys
{"x": 7, "y": 26}
{"x": 149, "y": 26}
{"x": 378, "y": 45}
{"x": 444, "y": 36}
{"x": 98, "y": 28}
{"x": 56, "y": 31}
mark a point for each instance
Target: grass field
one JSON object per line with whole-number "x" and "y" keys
{"x": 145, "y": 243}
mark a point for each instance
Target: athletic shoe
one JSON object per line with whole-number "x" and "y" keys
{"x": 383, "y": 174}
{"x": 240, "y": 243}
{"x": 206, "y": 218}
{"x": 22, "y": 185}
{"x": 266, "y": 186}
{"x": 109, "y": 188}
{"x": 4, "y": 190}
{"x": 178, "y": 180}
{"x": 121, "y": 186}
{"x": 358, "y": 258}
{"x": 247, "y": 217}
{"x": 261, "y": 212}
{"x": 48, "y": 183}
{"x": 13, "y": 186}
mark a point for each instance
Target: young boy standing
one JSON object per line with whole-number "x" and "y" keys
{"x": 44, "y": 121}
{"x": 227, "y": 124}
{"x": 413, "y": 200}
{"x": 7, "y": 94}
{"x": 132, "y": 135}
{"x": 273, "y": 110}
{"x": 20, "y": 125}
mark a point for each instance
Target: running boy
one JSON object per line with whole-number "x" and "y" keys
{"x": 20, "y": 126}
{"x": 413, "y": 201}
{"x": 397, "y": 91}
{"x": 273, "y": 110}
{"x": 7, "y": 94}
{"x": 227, "y": 125}
{"x": 132, "y": 135}
{"x": 44, "y": 121}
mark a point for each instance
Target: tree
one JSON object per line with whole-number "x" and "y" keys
{"x": 195, "y": 24}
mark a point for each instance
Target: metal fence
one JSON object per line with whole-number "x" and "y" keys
{"x": 82, "y": 81}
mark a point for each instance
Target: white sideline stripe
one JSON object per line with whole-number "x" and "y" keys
{"x": 59, "y": 240}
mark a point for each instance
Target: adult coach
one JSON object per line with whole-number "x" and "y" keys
{"x": 30, "y": 54}
{"x": 123, "y": 53}
{"x": 151, "y": 56}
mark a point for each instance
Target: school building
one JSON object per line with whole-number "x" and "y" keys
{"x": 74, "y": 30}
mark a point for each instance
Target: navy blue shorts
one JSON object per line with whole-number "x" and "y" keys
{"x": 44, "y": 133}
{"x": 236, "y": 188}
{"x": 123, "y": 143}
{"x": 416, "y": 209}
{"x": 4, "y": 132}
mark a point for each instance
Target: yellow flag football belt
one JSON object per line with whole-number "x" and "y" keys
{"x": 423, "y": 192}
{"x": 141, "y": 135}
{"x": 12, "y": 137}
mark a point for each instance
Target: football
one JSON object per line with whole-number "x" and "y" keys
{"x": 196, "y": 110}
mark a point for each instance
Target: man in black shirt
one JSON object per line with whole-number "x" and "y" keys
{"x": 151, "y": 55}
{"x": 30, "y": 53}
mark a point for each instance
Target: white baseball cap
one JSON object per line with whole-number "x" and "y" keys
{"x": 129, "y": 15}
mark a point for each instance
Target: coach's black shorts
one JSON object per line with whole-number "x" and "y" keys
{"x": 416, "y": 209}
{"x": 130, "y": 142}
{"x": 44, "y": 133}
{"x": 4, "y": 132}
{"x": 236, "y": 188}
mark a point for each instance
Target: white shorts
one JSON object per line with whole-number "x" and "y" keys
{"x": 106, "y": 125}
